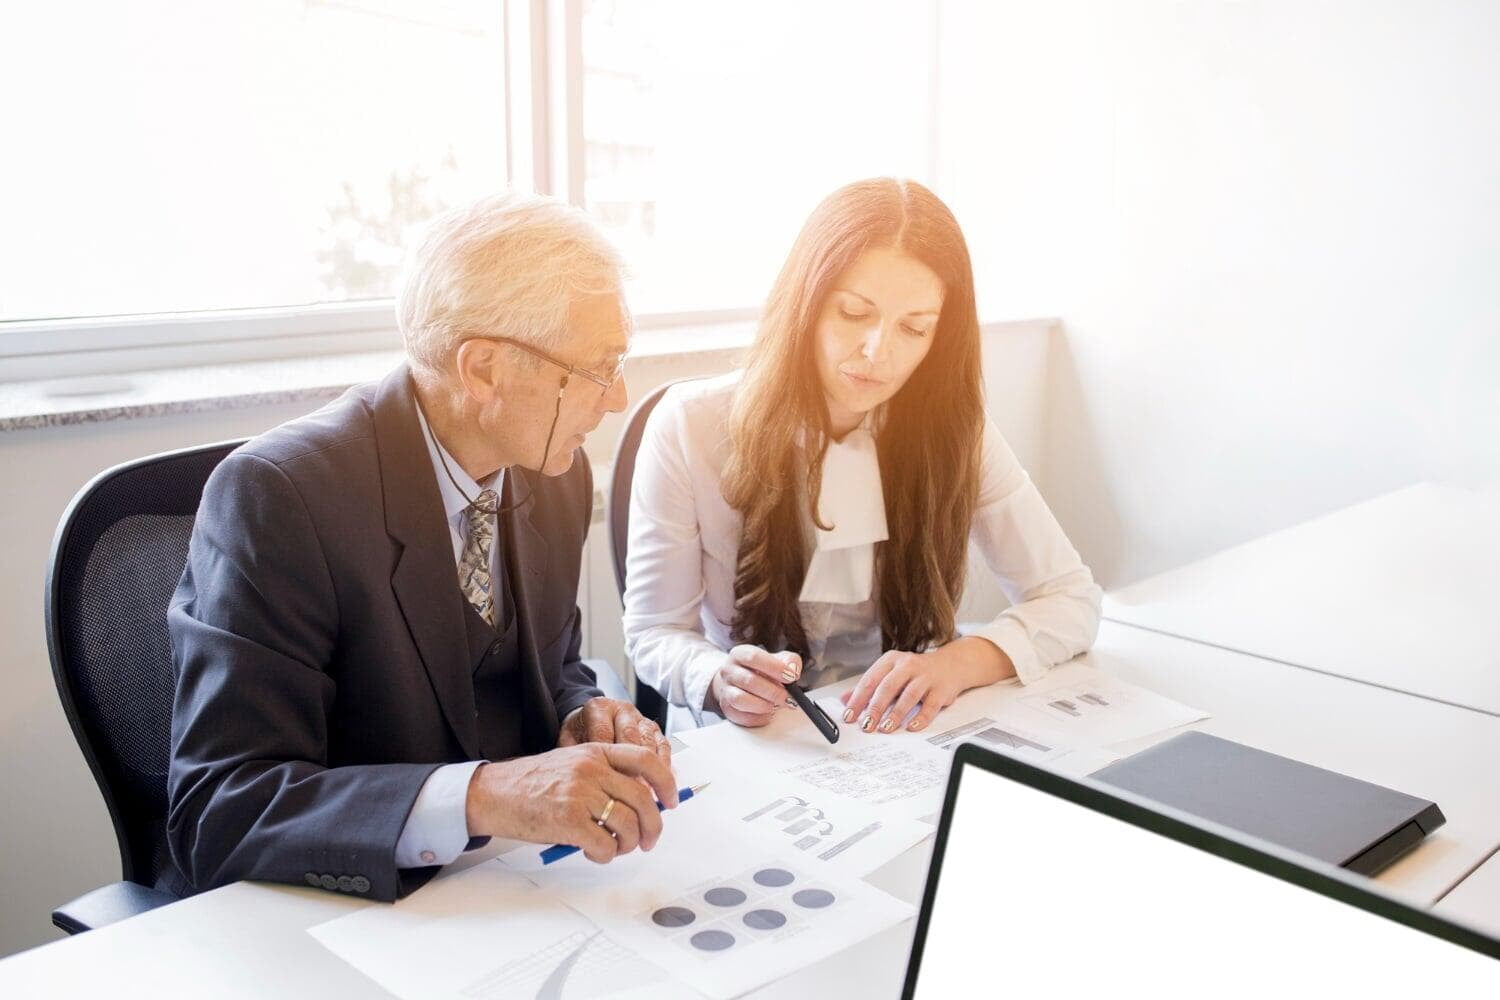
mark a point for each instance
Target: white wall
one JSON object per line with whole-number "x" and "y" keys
{"x": 56, "y": 841}
{"x": 1272, "y": 233}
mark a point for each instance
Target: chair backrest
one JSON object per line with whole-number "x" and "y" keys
{"x": 119, "y": 551}
{"x": 647, "y": 699}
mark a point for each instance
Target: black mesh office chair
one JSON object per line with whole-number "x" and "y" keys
{"x": 650, "y": 701}
{"x": 118, "y": 553}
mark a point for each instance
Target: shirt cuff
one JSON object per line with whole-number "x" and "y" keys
{"x": 1011, "y": 638}
{"x": 696, "y": 679}
{"x": 437, "y": 828}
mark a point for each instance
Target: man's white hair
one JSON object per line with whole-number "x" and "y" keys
{"x": 508, "y": 265}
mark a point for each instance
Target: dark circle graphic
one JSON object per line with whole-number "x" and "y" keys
{"x": 712, "y": 940}
{"x": 813, "y": 899}
{"x": 724, "y": 895}
{"x": 764, "y": 920}
{"x": 673, "y": 916}
{"x": 775, "y": 878}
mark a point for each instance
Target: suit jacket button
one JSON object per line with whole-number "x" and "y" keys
{"x": 329, "y": 882}
{"x": 345, "y": 883}
{"x": 361, "y": 884}
{"x": 312, "y": 879}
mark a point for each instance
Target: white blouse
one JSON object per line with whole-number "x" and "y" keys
{"x": 684, "y": 545}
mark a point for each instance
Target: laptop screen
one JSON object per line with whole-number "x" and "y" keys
{"x": 1042, "y": 894}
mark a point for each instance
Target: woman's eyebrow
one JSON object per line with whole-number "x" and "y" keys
{"x": 867, "y": 301}
{"x": 850, "y": 291}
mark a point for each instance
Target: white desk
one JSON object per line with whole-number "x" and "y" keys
{"x": 249, "y": 940}
{"x": 1399, "y": 591}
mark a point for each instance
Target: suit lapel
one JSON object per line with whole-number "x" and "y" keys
{"x": 425, "y": 580}
{"x": 527, "y": 552}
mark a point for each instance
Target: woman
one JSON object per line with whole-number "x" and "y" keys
{"x": 862, "y": 390}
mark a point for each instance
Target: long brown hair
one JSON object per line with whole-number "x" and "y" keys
{"x": 927, "y": 438}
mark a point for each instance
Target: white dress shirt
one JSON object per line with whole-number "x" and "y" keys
{"x": 684, "y": 545}
{"x": 437, "y": 828}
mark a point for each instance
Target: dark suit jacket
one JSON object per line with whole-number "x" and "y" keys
{"x": 319, "y": 642}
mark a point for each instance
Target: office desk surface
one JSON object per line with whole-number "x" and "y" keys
{"x": 1477, "y": 898}
{"x": 1398, "y": 591}
{"x": 249, "y": 940}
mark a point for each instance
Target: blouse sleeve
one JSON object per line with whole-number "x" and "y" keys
{"x": 1054, "y": 612}
{"x": 664, "y": 569}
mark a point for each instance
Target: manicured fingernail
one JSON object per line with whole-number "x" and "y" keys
{"x": 887, "y": 725}
{"x": 917, "y": 724}
{"x": 788, "y": 675}
{"x": 868, "y": 723}
{"x": 849, "y": 715}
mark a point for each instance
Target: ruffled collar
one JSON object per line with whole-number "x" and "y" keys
{"x": 852, "y": 504}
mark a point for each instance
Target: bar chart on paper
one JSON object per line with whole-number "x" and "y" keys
{"x": 1094, "y": 711}
{"x": 809, "y": 828}
{"x": 988, "y": 732}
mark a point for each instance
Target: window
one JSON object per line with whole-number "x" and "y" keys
{"x": 175, "y": 156}
{"x": 169, "y": 160}
{"x": 711, "y": 130}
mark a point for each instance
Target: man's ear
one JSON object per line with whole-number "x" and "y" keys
{"x": 479, "y": 369}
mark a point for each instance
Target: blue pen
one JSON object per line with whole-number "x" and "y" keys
{"x": 559, "y": 851}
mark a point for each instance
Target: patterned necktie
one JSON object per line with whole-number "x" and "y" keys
{"x": 474, "y": 566}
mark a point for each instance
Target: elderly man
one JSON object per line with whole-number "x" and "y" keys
{"x": 376, "y": 636}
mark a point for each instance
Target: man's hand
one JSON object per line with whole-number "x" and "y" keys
{"x": 557, "y": 798}
{"x": 605, "y": 720}
{"x": 749, "y": 688}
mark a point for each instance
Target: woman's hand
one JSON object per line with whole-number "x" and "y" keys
{"x": 748, "y": 689}
{"x": 899, "y": 682}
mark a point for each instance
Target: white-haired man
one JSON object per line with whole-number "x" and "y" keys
{"x": 376, "y": 636}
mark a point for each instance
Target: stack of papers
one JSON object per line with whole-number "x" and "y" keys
{"x": 1065, "y": 721}
{"x": 759, "y": 875}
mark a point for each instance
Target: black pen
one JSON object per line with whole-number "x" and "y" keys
{"x": 814, "y": 711}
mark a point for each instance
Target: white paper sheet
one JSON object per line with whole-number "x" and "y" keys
{"x": 724, "y": 913}
{"x": 844, "y": 835}
{"x": 901, "y": 775}
{"x": 1081, "y": 707}
{"x": 487, "y": 933}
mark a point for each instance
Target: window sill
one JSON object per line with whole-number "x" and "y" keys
{"x": 59, "y": 402}
{"x": 38, "y": 403}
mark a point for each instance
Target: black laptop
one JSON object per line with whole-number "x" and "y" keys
{"x": 1043, "y": 885}
{"x": 1347, "y": 822}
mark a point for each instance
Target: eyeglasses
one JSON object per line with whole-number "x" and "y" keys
{"x": 605, "y": 383}
{"x": 601, "y": 381}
